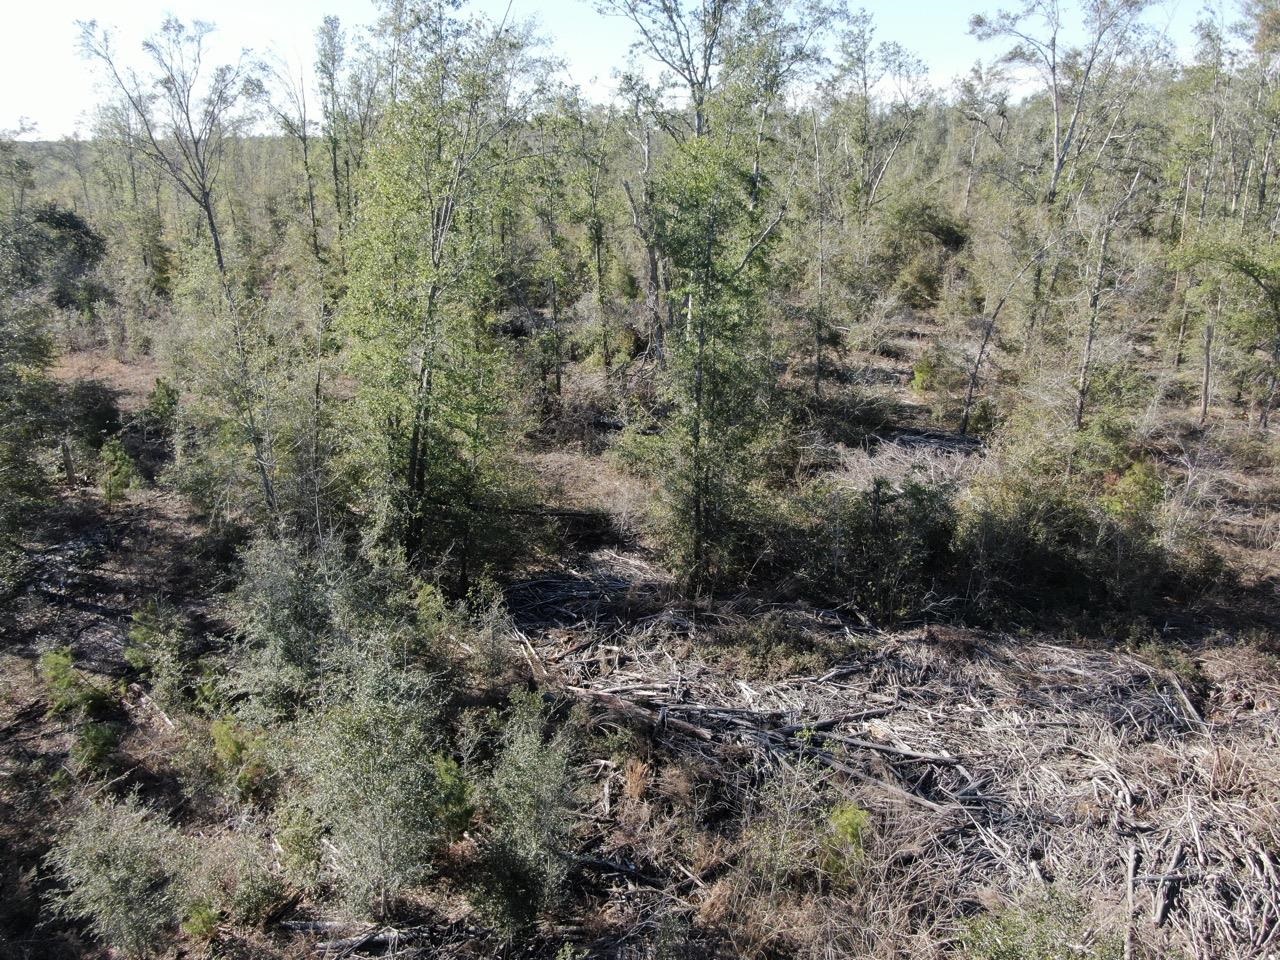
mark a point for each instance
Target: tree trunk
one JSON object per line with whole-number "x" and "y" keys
{"x": 1207, "y": 365}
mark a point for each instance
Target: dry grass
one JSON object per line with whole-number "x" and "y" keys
{"x": 131, "y": 382}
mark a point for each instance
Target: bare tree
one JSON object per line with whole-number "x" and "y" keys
{"x": 186, "y": 113}
{"x": 1070, "y": 74}
{"x": 686, "y": 38}
{"x": 288, "y": 104}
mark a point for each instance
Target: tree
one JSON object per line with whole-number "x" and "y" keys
{"x": 423, "y": 288}
{"x": 289, "y": 106}
{"x": 47, "y": 258}
{"x": 350, "y": 99}
{"x": 719, "y": 380}
{"x": 1084, "y": 86}
{"x": 1258, "y": 268}
{"x": 874, "y": 134}
{"x": 1071, "y": 76}
{"x": 186, "y": 119}
{"x": 689, "y": 39}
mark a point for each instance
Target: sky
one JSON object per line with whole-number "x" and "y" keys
{"x": 44, "y": 82}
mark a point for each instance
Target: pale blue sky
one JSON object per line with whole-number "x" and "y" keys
{"x": 43, "y": 79}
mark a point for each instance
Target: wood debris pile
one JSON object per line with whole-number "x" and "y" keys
{"x": 998, "y": 764}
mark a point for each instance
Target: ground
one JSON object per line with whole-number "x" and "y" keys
{"x": 1142, "y": 778}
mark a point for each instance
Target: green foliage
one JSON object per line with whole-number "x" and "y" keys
{"x": 529, "y": 798}
{"x": 242, "y": 759}
{"x": 119, "y": 865}
{"x": 159, "y": 648}
{"x": 118, "y": 472}
{"x": 924, "y": 375}
{"x": 1136, "y": 495}
{"x": 70, "y": 691}
{"x": 434, "y": 417}
{"x": 303, "y": 613}
{"x": 887, "y": 550}
{"x": 1067, "y": 526}
{"x": 919, "y": 235}
{"x": 766, "y": 646}
{"x": 378, "y": 783}
{"x": 1038, "y": 544}
{"x": 64, "y": 682}
{"x": 1053, "y": 927}
{"x": 56, "y": 250}
{"x": 849, "y": 825}
{"x": 299, "y": 831}
{"x": 718, "y": 385}
{"x": 88, "y": 416}
{"x": 201, "y": 923}
{"x": 249, "y": 890}
{"x": 95, "y": 746}
{"x": 844, "y": 848}
{"x": 161, "y": 411}
{"x": 25, "y": 396}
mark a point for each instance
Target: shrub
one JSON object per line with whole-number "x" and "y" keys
{"x": 1136, "y": 495}
{"x": 94, "y": 747}
{"x": 232, "y": 882}
{"x": 766, "y": 646}
{"x": 89, "y": 415}
{"x": 162, "y": 406}
{"x": 117, "y": 472}
{"x": 70, "y": 691}
{"x": 119, "y": 868}
{"x": 299, "y": 831}
{"x": 304, "y": 614}
{"x": 924, "y": 375}
{"x": 848, "y": 828}
{"x": 241, "y": 759}
{"x": 529, "y": 796}
{"x": 378, "y": 784}
{"x": 158, "y": 647}
{"x": 1052, "y": 927}
{"x": 249, "y": 890}
{"x": 1038, "y": 545}
{"x": 201, "y": 922}
{"x": 885, "y": 551}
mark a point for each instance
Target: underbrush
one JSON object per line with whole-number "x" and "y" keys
{"x": 341, "y": 742}
{"x": 1086, "y": 530}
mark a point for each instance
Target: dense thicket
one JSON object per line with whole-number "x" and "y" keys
{"x": 371, "y": 315}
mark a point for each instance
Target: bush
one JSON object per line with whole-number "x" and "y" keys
{"x": 117, "y": 472}
{"x": 239, "y": 884}
{"x": 885, "y": 551}
{"x": 202, "y": 921}
{"x": 95, "y": 746}
{"x": 304, "y": 614}
{"x": 161, "y": 410}
{"x": 1136, "y": 495}
{"x": 89, "y": 415}
{"x": 767, "y": 646}
{"x": 158, "y": 648}
{"x": 1039, "y": 545}
{"x": 242, "y": 760}
{"x": 1052, "y": 927}
{"x": 1052, "y": 535}
{"x": 848, "y": 828}
{"x": 119, "y": 868}
{"x": 379, "y": 785}
{"x": 299, "y": 831}
{"x": 529, "y": 797}
{"x": 70, "y": 691}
